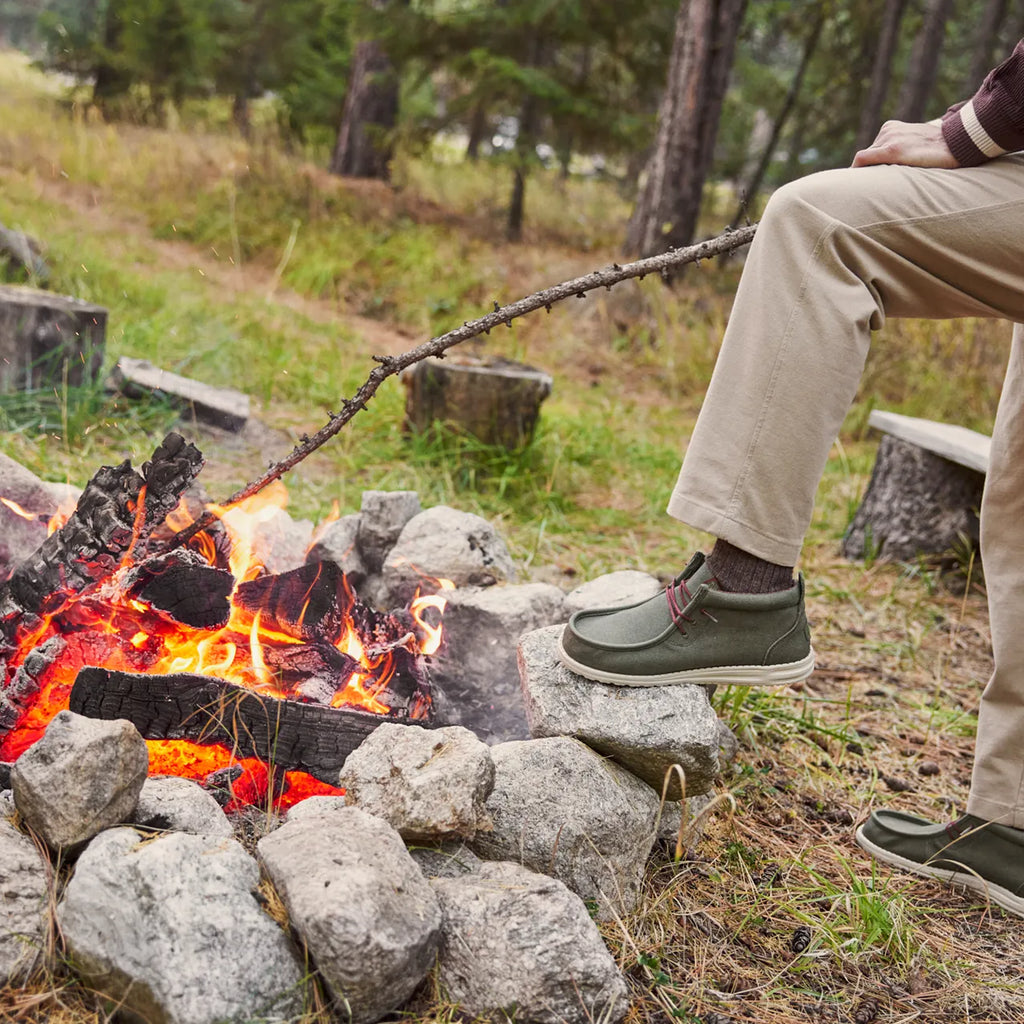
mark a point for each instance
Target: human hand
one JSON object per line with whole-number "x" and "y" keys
{"x": 913, "y": 145}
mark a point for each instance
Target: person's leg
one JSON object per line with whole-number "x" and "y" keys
{"x": 984, "y": 849}
{"x": 997, "y": 785}
{"x": 835, "y": 254}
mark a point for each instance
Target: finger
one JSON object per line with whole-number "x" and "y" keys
{"x": 871, "y": 156}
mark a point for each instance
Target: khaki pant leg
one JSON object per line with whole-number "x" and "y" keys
{"x": 835, "y": 254}
{"x": 997, "y": 786}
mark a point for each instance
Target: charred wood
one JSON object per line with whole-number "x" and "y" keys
{"x": 97, "y": 536}
{"x": 309, "y": 603}
{"x": 185, "y": 588}
{"x": 288, "y": 734}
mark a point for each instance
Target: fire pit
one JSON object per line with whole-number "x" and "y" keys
{"x": 231, "y": 673}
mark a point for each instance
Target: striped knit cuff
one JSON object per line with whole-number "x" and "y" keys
{"x": 967, "y": 138}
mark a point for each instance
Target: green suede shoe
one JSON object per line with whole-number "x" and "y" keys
{"x": 980, "y": 855}
{"x": 692, "y": 632}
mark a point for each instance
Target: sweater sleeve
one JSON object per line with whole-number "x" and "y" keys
{"x": 992, "y": 121}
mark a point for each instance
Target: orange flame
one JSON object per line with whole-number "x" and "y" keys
{"x": 19, "y": 511}
{"x": 140, "y": 638}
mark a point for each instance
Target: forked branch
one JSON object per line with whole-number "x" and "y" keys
{"x": 388, "y": 366}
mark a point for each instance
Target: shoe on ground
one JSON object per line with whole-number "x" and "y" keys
{"x": 981, "y": 855}
{"x": 694, "y": 632}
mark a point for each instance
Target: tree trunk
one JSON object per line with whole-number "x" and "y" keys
{"x": 916, "y": 503}
{"x": 753, "y": 186}
{"x": 477, "y": 131}
{"x": 495, "y": 400}
{"x": 240, "y": 114}
{"x": 881, "y": 73}
{"x": 526, "y": 141}
{"x": 108, "y": 80}
{"x": 924, "y": 62}
{"x": 982, "y": 59}
{"x": 48, "y": 340}
{"x": 364, "y": 147}
{"x": 669, "y": 203}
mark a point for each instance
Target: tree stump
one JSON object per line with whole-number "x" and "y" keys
{"x": 495, "y": 400}
{"x": 925, "y": 490}
{"x": 48, "y": 340}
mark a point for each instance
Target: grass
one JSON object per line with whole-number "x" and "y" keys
{"x": 246, "y": 266}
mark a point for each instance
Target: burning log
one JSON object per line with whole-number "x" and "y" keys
{"x": 182, "y": 585}
{"x": 289, "y": 734}
{"x": 112, "y": 516}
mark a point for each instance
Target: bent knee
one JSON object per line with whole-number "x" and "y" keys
{"x": 828, "y": 193}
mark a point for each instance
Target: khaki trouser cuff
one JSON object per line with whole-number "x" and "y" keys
{"x": 702, "y": 517}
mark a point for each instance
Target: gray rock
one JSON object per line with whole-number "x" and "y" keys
{"x": 65, "y": 495}
{"x": 426, "y": 783}
{"x": 80, "y": 777}
{"x": 179, "y": 805}
{"x": 170, "y": 928}
{"x": 373, "y": 591}
{"x": 20, "y": 536}
{"x": 646, "y": 729}
{"x": 475, "y": 676}
{"x": 336, "y": 542}
{"x": 627, "y": 586}
{"x": 445, "y": 860}
{"x": 23, "y": 904}
{"x": 562, "y": 809}
{"x": 382, "y": 517}
{"x": 280, "y": 542}
{"x": 25, "y": 252}
{"x": 316, "y": 806}
{"x": 519, "y": 946}
{"x": 7, "y": 808}
{"x": 367, "y": 915}
{"x": 728, "y": 745}
{"x": 445, "y": 543}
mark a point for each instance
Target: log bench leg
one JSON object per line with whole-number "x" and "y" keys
{"x": 916, "y": 503}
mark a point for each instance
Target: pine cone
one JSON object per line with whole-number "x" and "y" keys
{"x": 716, "y": 1018}
{"x": 801, "y": 939}
{"x": 866, "y": 1012}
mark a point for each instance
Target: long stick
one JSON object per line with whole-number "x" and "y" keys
{"x": 388, "y": 366}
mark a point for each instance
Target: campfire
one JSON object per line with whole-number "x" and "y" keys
{"x": 256, "y": 684}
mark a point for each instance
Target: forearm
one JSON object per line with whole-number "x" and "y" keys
{"x": 992, "y": 121}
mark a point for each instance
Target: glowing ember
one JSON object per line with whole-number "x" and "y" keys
{"x": 272, "y": 636}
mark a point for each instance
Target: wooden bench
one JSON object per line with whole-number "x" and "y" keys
{"x": 924, "y": 494}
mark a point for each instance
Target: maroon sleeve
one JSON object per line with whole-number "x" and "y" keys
{"x": 992, "y": 121}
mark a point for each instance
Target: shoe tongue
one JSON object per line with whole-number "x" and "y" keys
{"x": 702, "y": 574}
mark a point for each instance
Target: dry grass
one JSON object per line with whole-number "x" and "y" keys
{"x": 777, "y": 916}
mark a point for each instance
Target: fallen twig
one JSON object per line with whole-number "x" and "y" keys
{"x": 388, "y": 366}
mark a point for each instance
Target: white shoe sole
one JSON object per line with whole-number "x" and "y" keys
{"x": 720, "y": 675}
{"x": 996, "y": 893}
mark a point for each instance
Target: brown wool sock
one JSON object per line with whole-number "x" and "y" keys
{"x": 743, "y": 573}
